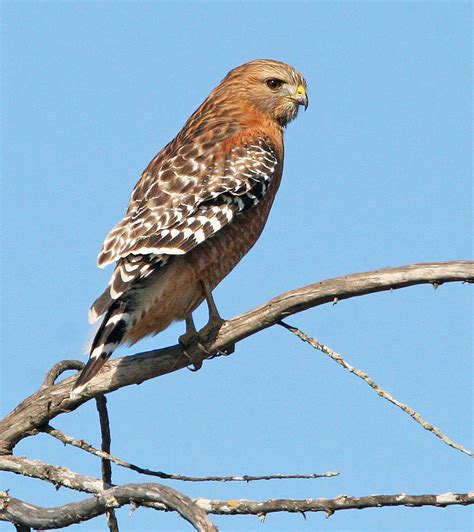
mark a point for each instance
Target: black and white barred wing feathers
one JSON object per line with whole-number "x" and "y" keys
{"x": 179, "y": 205}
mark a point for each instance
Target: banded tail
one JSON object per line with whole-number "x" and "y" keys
{"x": 108, "y": 337}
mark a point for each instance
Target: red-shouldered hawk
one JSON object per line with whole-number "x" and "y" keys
{"x": 197, "y": 209}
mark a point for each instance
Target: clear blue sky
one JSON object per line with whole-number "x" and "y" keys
{"x": 377, "y": 173}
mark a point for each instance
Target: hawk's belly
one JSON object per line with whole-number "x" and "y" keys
{"x": 177, "y": 290}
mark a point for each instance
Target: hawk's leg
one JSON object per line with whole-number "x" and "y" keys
{"x": 190, "y": 341}
{"x": 191, "y": 331}
{"x": 215, "y": 321}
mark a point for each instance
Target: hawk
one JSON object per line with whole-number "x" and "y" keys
{"x": 198, "y": 208}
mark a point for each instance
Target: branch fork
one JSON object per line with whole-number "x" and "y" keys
{"x": 35, "y": 413}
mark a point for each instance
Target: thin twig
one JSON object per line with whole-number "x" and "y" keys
{"x": 101, "y": 403}
{"x": 81, "y": 444}
{"x": 382, "y": 393}
{"x": 60, "y": 367}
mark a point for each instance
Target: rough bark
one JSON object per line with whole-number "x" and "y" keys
{"x": 34, "y": 414}
{"x": 50, "y": 401}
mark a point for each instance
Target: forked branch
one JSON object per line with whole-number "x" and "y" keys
{"x": 50, "y": 401}
{"x": 34, "y": 414}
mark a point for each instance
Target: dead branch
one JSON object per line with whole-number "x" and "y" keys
{"x": 81, "y": 444}
{"x": 101, "y": 403}
{"x": 33, "y": 415}
{"x": 56, "y": 475}
{"x": 58, "y": 369}
{"x": 50, "y": 401}
{"x": 330, "y": 506}
{"x": 29, "y": 515}
{"x": 59, "y": 476}
{"x": 382, "y": 393}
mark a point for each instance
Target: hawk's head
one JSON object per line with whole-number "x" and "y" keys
{"x": 274, "y": 88}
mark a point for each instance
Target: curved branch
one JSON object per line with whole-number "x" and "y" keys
{"x": 27, "y": 514}
{"x": 48, "y": 402}
{"x": 60, "y": 367}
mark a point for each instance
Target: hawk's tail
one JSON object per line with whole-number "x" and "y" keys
{"x": 109, "y": 335}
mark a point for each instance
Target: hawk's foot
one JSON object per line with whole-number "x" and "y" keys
{"x": 212, "y": 327}
{"x": 193, "y": 350}
{"x": 210, "y": 331}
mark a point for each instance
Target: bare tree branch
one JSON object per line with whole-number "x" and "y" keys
{"x": 384, "y": 394}
{"x": 33, "y": 415}
{"x": 81, "y": 444}
{"x": 101, "y": 403}
{"x": 59, "y": 476}
{"x": 56, "y": 475}
{"x": 61, "y": 367}
{"x": 29, "y": 515}
{"x": 330, "y": 506}
{"x": 48, "y": 402}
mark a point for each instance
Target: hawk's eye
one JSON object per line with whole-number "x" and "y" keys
{"x": 274, "y": 83}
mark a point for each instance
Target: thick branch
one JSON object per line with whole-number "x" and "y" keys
{"x": 329, "y": 506}
{"x": 49, "y": 402}
{"x": 26, "y": 514}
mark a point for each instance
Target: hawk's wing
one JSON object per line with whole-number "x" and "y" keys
{"x": 179, "y": 205}
{"x": 185, "y": 202}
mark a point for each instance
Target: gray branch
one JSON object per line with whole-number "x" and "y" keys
{"x": 381, "y": 392}
{"x": 52, "y": 399}
{"x": 101, "y": 404}
{"x": 330, "y": 506}
{"x": 29, "y": 515}
{"x": 44, "y": 405}
{"x": 56, "y": 475}
{"x": 81, "y": 444}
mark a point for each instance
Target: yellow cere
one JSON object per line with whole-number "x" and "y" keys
{"x": 300, "y": 90}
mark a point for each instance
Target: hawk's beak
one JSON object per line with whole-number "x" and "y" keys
{"x": 301, "y": 98}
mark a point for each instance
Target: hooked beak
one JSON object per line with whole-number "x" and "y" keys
{"x": 301, "y": 98}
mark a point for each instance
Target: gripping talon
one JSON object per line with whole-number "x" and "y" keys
{"x": 196, "y": 364}
{"x": 191, "y": 341}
